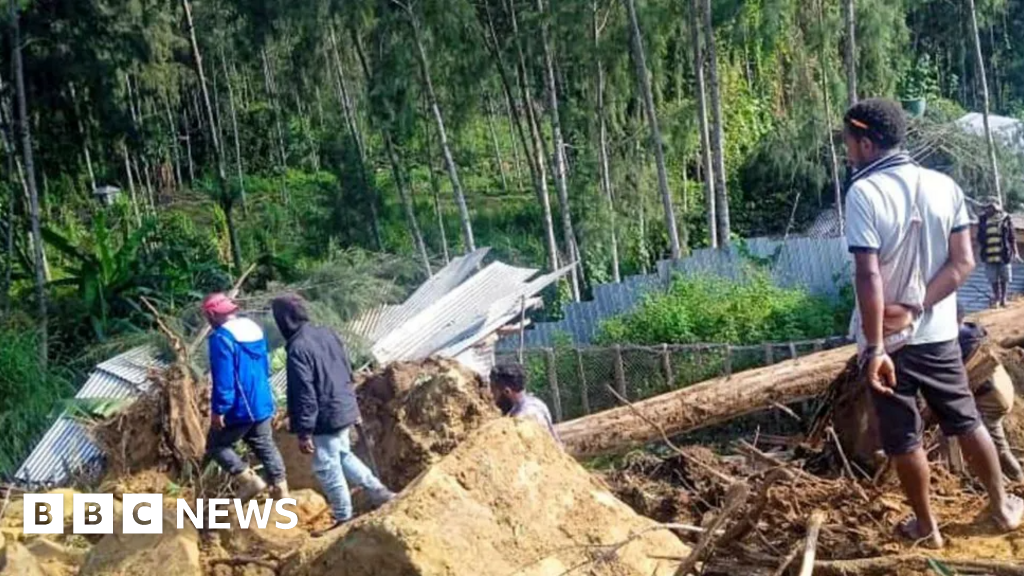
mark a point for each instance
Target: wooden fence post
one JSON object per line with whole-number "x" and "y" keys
{"x": 584, "y": 391}
{"x": 620, "y": 372}
{"x": 769, "y": 354}
{"x": 556, "y": 397}
{"x": 792, "y": 351}
{"x": 728, "y": 360}
{"x": 666, "y": 365}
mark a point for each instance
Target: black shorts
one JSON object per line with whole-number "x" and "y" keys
{"x": 937, "y": 371}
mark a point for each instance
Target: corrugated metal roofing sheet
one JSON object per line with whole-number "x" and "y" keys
{"x": 123, "y": 376}
{"x": 465, "y": 315}
{"x": 379, "y": 322}
{"x": 67, "y": 447}
{"x": 432, "y": 328}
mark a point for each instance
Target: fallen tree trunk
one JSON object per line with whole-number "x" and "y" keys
{"x": 722, "y": 399}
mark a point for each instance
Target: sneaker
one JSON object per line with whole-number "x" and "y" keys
{"x": 248, "y": 484}
{"x": 279, "y": 490}
{"x": 381, "y": 497}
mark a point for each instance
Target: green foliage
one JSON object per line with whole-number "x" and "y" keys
{"x": 29, "y": 395}
{"x": 919, "y": 80}
{"x": 107, "y": 277}
{"x": 709, "y": 309}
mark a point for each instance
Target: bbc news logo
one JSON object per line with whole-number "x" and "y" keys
{"x": 143, "y": 513}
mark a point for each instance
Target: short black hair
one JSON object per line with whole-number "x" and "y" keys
{"x": 509, "y": 375}
{"x": 880, "y": 120}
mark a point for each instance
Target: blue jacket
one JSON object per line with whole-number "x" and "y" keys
{"x": 240, "y": 370}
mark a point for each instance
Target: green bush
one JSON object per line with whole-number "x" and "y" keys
{"x": 29, "y": 395}
{"x": 711, "y": 309}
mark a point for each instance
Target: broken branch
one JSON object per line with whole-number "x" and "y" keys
{"x": 886, "y": 565}
{"x": 811, "y": 547}
{"x": 716, "y": 473}
{"x": 734, "y": 500}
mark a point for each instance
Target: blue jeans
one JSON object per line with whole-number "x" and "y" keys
{"x": 335, "y": 466}
{"x": 220, "y": 446}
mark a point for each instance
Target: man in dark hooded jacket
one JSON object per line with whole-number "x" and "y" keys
{"x": 322, "y": 406}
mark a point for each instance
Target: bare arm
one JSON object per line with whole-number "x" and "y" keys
{"x": 954, "y": 272}
{"x": 870, "y": 299}
{"x": 1012, "y": 232}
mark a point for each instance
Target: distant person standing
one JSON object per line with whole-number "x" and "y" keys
{"x": 508, "y": 386}
{"x": 908, "y": 230}
{"x": 998, "y": 243}
{"x": 242, "y": 404}
{"x": 322, "y": 406}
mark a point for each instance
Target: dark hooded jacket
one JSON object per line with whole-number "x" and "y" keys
{"x": 321, "y": 399}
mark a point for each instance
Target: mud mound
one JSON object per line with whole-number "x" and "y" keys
{"x": 415, "y": 413}
{"x": 506, "y": 501}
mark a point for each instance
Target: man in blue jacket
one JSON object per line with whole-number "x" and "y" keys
{"x": 322, "y": 406}
{"x": 242, "y": 404}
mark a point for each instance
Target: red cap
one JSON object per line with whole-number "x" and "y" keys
{"x": 219, "y": 304}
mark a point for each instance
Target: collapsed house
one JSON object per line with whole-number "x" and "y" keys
{"x": 457, "y": 313}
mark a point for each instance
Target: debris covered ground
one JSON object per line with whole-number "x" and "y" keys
{"x": 481, "y": 496}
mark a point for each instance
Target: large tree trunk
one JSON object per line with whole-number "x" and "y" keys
{"x": 494, "y": 142}
{"x": 271, "y": 87}
{"x": 512, "y": 136}
{"x": 704, "y": 404}
{"x": 702, "y": 117}
{"x": 175, "y": 141}
{"x": 717, "y": 131}
{"x": 825, "y": 91}
{"x": 404, "y": 189}
{"x": 435, "y": 188}
{"x": 850, "y": 51}
{"x": 602, "y": 137}
{"x": 349, "y": 113}
{"x": 643, "y": 81}
{"x": 407, "y": 203}
{"x": 983, "y": 81}
{"x": 442, "y": 133}
{"x": 84, "y": 136}
{"x": 13, "y": 171}
{"x": 222, "y": 180}
{"x": 722, "y": 399}
{"x": 234, "y": 129}
{"x": 188, "y": 145}
{"x": 561, "y": 179}
{"x": 33, "y": 192}
{"x": 535, "y": 148}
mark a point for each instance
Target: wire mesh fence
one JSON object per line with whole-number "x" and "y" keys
{"x": 575, "y": 382}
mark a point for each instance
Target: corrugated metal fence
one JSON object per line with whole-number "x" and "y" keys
{"x": 822, "y": 265}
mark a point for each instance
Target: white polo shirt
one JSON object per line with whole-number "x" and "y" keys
{"x": 877, "y": 217}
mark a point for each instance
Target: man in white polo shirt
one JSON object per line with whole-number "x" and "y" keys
{"x": 908, "y": 230}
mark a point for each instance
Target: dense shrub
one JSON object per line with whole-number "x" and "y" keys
{"x": 29, "y": 395}
{"x": 707, "y": 309}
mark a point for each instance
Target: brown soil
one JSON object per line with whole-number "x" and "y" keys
{"x": 415, "y": 413}
{"x": 506, "y": 501}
